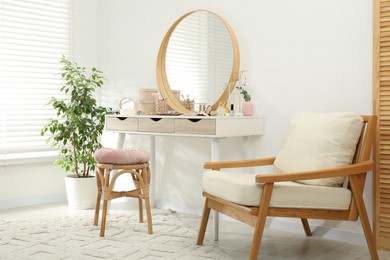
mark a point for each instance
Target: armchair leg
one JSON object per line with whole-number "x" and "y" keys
{"x": 306, "y": 227}
{"x": 203, "y": 223}
{"x": 357, "y": 193}
{"x": 260, "y": 222}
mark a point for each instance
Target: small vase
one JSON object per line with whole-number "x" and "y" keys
{"x": 247, "y": 108}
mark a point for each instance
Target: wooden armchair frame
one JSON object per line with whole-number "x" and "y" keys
{"x": 256, "y": 216}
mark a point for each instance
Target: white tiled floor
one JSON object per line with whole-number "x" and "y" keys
{"x": 235, "y": 238}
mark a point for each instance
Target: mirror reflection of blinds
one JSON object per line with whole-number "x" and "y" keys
{"x": 33, "y": 36}
{"x": 199, "y": 57}
{"x": 220, "y": 58}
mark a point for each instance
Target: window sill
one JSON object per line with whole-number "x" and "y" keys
{"x": 30, "y": 158}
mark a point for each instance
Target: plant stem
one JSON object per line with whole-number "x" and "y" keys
{"x": 76, "y": 166}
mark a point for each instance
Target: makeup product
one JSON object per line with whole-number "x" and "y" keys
{"x": 231, "y": 109}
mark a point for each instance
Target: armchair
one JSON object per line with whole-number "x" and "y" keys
{"x": 320, "y": 173}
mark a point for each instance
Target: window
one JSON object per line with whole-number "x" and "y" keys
{"x": 33, "y": 36}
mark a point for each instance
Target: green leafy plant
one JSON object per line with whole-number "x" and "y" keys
{"x": 79, "y": 122}
{"x": 241, "y": 84}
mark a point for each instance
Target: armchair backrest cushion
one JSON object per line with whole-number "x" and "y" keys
{"x": 317, "y": 141}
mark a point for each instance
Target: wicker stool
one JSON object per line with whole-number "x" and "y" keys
{"x": 134, "y": 162}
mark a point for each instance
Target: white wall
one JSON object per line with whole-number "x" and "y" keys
{"x": 29, "y": 184}
{"x": 84, "y": 33}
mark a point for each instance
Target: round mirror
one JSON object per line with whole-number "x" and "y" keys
{"x": 200, "y": 57}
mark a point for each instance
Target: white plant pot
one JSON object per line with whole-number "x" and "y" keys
{"x": 81, "y": 192}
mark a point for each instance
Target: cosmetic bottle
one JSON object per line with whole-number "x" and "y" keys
{"x": 231, "y": 109}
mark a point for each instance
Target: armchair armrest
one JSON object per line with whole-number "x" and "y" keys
{"x": 348, "y": 170}
{"x": 239, "y": 164}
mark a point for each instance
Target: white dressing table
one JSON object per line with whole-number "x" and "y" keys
{"x": 214, "y": 128}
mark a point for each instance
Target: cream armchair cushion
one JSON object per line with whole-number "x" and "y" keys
{"x": 241, "y": 188}
{"x": 318, "y": 141}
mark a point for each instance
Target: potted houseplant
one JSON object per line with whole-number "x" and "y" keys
{"x": 76, "y": 131}
{"x": 247, "y": 105}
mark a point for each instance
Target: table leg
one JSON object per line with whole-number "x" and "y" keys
{"x": 153, "y": 170}
{"x": 120, "y": 141}
{"x": 214, "y": 158}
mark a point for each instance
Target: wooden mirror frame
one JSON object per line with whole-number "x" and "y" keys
{"x": 162, "y": 79}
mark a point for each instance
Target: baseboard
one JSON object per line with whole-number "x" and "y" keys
{"x": 178, "y": 206}
{"x": 32, "y": 201}
{"x": 279, "y": 224}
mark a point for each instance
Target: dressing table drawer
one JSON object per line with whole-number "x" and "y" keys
{"x": 122, "y": 123}
{"x": 157, "y": 124}
{"x": 195, "y": 126}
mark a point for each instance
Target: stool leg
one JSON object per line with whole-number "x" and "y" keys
{"x": 140, "y": 211}
{"x": 140, "y": 208}
{"x": 104, "y": 215}
{"x": 99, "y": 197}
{"x": 149, "y": 215}
{"x": 145, "y": 190}
{"x": 106, "y": 196}
{"x": 136, "y": 182}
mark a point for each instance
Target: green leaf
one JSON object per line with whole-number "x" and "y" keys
{"x": 79, "y": 120}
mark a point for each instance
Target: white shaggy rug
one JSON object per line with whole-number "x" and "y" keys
{"x": 75, "y": 237}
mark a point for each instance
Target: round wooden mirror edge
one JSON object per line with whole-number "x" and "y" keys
{"x": 162, "y": 80}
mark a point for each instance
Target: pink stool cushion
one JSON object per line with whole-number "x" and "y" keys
{"x": 121, "y": 156}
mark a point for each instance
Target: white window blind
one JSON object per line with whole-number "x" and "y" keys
{"x": 199, "y": 57}
{"x": 33, "y": 36}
